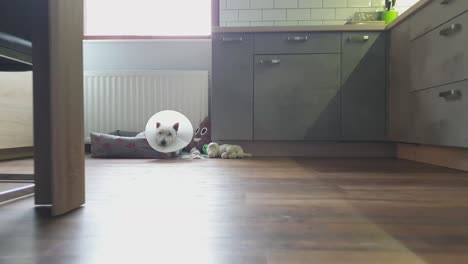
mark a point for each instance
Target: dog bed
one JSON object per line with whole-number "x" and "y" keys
{"x": 123, "y": 144}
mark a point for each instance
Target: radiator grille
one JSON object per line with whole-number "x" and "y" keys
{"x": 125, "y": 100}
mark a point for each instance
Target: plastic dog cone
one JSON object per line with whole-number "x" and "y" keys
{"x": 169, "y": 118}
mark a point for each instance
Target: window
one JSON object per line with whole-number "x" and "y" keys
{"x": 140, "y": 18}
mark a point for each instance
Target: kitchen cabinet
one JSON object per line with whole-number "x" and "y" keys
{"x": 232, "y": 87}
{"x": 297, "y": 43}
{"x": 363, "y": 93}
{"x": 435, "y": 13}
{"x": 288, "y": 86}
{"x": 297, "y": 97}
{"x": 428, "y": 76}
{"x": 441, "y": 115}
{"x": 441, "y": 56}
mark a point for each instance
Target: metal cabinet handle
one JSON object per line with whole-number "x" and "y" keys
{"x": 446, "y": 2}
{"x": 297, "y": 38}
{"x": 452, "y": 94}
{"x": 226, "y": 39}
{"x": 273, "y": 61}
{"x": 363, "y": 39}
{"x": 452, "y": 29}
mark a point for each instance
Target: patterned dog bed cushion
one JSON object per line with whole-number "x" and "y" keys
{"x": 122, "y": 144}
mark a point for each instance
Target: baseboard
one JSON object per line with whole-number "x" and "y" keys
{"x": 455, "y": 158}
{"x": 317, "y": 149}
{"x": 16, "y": 153}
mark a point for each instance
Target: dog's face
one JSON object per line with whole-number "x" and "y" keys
{"x": 166, "y": 135}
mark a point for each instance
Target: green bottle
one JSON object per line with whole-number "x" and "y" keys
{"x": 390, "y": 13}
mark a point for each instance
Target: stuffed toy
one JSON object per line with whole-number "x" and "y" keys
{"x": 201, "y": 136}
{"x": 196, "y": 154}
{"x": 226, "y": 151}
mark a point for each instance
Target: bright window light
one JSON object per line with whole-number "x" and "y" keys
{"x": 147, "y": 17}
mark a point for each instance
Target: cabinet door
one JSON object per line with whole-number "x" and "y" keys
{"x": 232, "y": 87}
{"x": 363, "y": 88}
{"x": 402, "y": 119}
{"x": 297, "y": 97}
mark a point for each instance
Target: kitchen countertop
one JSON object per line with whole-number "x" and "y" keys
{"x": 326, "y": 28}
{"x": 318, "y": 28}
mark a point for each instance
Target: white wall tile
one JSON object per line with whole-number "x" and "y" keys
{"x": 310, "y": 23}
{"x": 262, "y": 3}
{"x": 238, "y": 24}
{"x": 310, "y": 3}
{"x": 238, "y": 4}
{"x": 334, "y": 3}
{"x": 345, "y": 13}
{"x": 228, "y": 15}
{"x": 378, "y": 3}
{"x": 286, "y": 23}
{"x": 371, "y": 9}
{"x": 262, "y": 23}
{"x": 274, "y": 14}
{"x": 286, "y": 3}
{"x": 250, "y": 15}
{"x": 298, "y": 14}
{"x": 322, "y": 14}
{"x": 222, "y": 4}
{"x": 359, "y": 3}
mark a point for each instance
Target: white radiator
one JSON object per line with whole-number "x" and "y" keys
{"x": 125, "y": 100}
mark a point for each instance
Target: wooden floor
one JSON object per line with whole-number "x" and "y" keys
{"x": 250, "y": 211}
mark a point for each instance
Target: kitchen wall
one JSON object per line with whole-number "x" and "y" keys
{"x": 147, "y": 55}
{"x": 297, "y": 12}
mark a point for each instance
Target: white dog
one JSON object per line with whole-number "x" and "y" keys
{"x": 166, "y": 135}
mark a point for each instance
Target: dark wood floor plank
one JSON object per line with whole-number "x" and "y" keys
{"x": 266, "y": 211}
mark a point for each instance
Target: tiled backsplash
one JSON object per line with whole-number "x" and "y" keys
{"x": 237, "y": 13}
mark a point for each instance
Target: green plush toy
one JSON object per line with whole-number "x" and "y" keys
{"x": 205, "y": 149}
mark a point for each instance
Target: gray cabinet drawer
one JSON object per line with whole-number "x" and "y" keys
{"x": 232, "y": 87}
{"x": 441, "y": 56}
{"x": 295, "y": 43}
{"x": 297, "y": 97}
{"x": 434, "y": 14}
{"x": 442, "y": 120}
{"x": 363, "y": 93}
